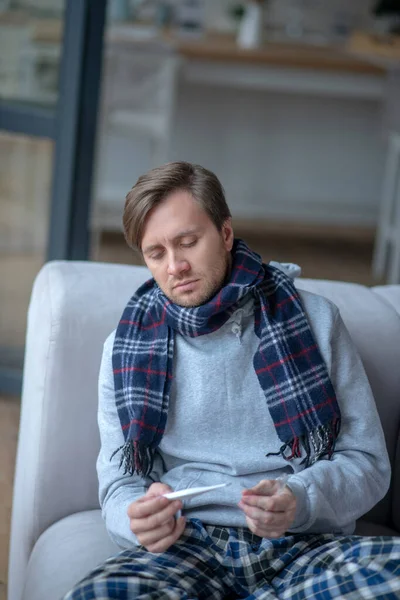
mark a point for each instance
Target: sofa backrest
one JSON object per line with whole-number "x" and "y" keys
{"x": 372, "y": 316}
{"x": 74, "y": 306}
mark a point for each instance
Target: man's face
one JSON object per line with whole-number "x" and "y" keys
{"x": 186, "y": 254}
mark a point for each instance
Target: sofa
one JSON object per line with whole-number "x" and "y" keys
{"x": 57, "y": 532}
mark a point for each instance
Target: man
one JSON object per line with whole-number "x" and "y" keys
{"x": 221, "y": 372}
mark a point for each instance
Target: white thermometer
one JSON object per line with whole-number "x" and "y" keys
{"x": 190, "y": 492}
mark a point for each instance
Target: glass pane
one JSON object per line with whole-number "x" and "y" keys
{"x": 30, "y": 49}
{"x": 138, "y": 89}
{"x": 25, "y": 179}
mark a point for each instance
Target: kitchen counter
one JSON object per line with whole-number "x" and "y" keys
{"x": 362, "y": 53}
{"x": 290, "y": 55}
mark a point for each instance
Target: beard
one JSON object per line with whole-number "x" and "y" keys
{"x": 207, "y": 287}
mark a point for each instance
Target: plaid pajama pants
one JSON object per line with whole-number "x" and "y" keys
{"x": 216, "y": 563}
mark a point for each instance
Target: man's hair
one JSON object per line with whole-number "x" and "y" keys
{"x": 153, "y": 187}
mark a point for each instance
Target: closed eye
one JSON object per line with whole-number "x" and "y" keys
{"x": 189, "y": 245}
{"x": 157, "y": 256}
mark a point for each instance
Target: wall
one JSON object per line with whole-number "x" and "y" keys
{"x": 291, "y": 156}
{"x": 283, "y": 156}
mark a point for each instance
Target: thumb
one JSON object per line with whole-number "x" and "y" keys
{"x": 158, "y": 489}
{"x": 265, "y": 487}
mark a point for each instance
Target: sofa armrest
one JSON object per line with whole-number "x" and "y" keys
{"x": 74, "y": 306}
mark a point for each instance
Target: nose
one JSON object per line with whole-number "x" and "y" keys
{"x": 177, "y": 265}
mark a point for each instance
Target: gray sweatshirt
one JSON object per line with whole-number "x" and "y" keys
{"x": 219, "y": 430}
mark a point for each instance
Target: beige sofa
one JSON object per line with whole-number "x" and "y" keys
{"x": 57, "y": 531}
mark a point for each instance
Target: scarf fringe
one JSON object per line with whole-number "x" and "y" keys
{"x": 136, "y": 458}
{"x": 317, "y": 443}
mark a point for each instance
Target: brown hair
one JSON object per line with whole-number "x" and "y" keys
{"x": 155, "y": 185}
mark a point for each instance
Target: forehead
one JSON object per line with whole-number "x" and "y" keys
{"x": 176, "y": 213}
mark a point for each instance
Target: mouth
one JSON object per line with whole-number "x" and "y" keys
{"x": 184, "y": 285}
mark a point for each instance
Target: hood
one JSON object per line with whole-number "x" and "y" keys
{"x": 290, "y": 269}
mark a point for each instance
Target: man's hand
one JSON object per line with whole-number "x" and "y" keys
{"x": 152, "y": 519}
{"x": 269, "y": 511}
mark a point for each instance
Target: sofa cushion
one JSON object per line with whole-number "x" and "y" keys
{"x": 390, "y": 294}
{"x": 65, "y": 553}
{"x": 71, "y": 548}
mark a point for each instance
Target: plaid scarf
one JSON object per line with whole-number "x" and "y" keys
{"x": 288, "y": 363}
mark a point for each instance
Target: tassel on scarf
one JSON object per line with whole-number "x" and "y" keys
{"x": 317, "y": 443}
{"x": 136, "y": 458}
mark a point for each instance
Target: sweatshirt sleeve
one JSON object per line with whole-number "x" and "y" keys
{"x": 116, "y": 490}
{"x": 332, "y": 494}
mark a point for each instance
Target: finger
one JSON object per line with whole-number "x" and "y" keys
{"x": 151, "y": 537}
{"x": 146, "y": 506}
{"x": 266, "y": 487}
{"x": 264, "y": 532}
{"x": 138, "y": 525}
{"x": 158, "y": 489}
{"x": 164, "y": 544}
{"x": 266, "y": 518}
{"x": 157, "y": 518}
{"x": 270, "y": 503}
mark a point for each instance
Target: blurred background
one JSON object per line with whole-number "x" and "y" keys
{"x": 293, "y": 103}
{"x": 290, "y": 102}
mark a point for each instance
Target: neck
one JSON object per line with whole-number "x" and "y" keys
{"x": 228, "y": 269}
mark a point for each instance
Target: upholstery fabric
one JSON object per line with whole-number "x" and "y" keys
{"x": 80, "y": 542}
{"x": 74, "y": 307}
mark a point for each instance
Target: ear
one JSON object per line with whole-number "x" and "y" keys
{"x": 227, "y": 234}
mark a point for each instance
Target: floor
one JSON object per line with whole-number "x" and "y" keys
{"x": 341, "y": 255}
{"x": 9, "y": 420}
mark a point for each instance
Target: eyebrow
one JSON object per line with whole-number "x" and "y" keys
{"x": 181, "y": 234}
